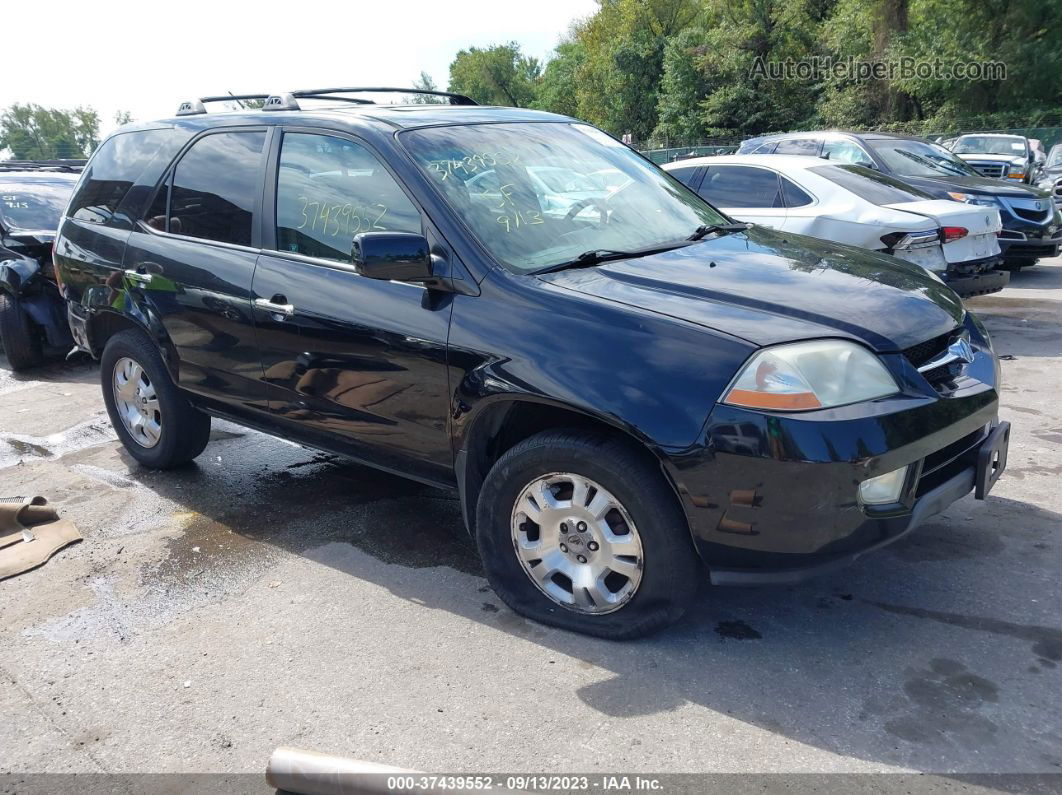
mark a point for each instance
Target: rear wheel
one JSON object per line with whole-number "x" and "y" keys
{"x": 21, "y": 342}
{"x": 581, "y": 531}
{"x": 155, "y": 422}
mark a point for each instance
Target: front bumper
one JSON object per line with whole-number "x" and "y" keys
{"x": 991, "y": 281}
{"x": 774, "y": 498}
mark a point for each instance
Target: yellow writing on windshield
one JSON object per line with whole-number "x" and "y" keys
{"x": 471, "y": 164}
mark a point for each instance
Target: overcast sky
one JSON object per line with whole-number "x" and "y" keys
{"x": 147, "y": 57}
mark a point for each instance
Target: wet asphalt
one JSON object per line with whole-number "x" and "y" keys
{"x": 273, "y": 595}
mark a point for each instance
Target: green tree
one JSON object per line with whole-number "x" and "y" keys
{"x": 425, "y": 83}
{"x": 123, "y": 117}
{"x": 32, "y": 132}
{"x": 556, "y": 90}
{"x": 497, "y": 75}
{"x": 682, "y": 87}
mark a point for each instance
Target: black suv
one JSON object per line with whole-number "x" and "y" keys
{"x": 32, "y": 312}
{"x": 1032, "y": 227}
{"x": 623, "y": 385}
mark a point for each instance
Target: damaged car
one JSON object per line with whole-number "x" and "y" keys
{"x": 32, "y": 311}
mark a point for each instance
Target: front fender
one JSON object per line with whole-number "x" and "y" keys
{"x": 17, "y": 274}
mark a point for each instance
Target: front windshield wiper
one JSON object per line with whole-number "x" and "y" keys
{"x": 707, "y": 229}
{"x": 598, "y": 255}
{"x": 935, "y": 165}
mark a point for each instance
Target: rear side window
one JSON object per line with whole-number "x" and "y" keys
{"x": 841, "y": 151}
{"x": 685, "y": 175}
{"x": 330, "y": 189}
{"x": 214, "y": 188}
{"x": 872, "y": 186}
{"x": 794, "y": 196}
{"x": 741, "y": 186}
{"x": 798, "y": 146}
{"x": 113, "y": 170}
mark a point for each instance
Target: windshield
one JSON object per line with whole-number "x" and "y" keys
{"x": 989, "y": 145}
{"x": 870, "y": 185}
{"x": 920, "y": 159}
{"x": 33, "y": 205}
{"x": 1055, "y": 157}
{"x": 532, "y": 193}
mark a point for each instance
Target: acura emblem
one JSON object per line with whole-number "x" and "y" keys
{"x": 961, "y": 349}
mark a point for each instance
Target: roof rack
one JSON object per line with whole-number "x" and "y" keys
{"x": 290, "y": 100}
{"x": 197, "y": 106}
{"x": 71, "y": 166}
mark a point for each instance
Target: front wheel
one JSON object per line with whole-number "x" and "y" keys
{"x": 155, "y": 422}
{"x": 20, "y": 340}
{"x": 581, "y": 531}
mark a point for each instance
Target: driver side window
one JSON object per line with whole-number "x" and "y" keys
{"x": 330, "y": 189}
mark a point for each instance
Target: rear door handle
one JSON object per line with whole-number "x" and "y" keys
{"x": 277, "y": 305}
{"x": 138, "y": 278}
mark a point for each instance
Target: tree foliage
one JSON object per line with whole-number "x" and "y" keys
{"x": 685, "y": 69}
{"x": 496, "y": 75}
{"x": 32, "y": 132}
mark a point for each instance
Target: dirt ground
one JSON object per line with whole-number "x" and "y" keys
{"x": 272, "y": 595}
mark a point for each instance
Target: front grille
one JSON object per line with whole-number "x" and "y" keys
{"x": 949, "y": 461}
{"x": 926, "y": 351}
{"x": 1038, "y": 210}
{"x": 993, "y": 170}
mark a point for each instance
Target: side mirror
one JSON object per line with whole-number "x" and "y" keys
{"x": 392, "y": 256}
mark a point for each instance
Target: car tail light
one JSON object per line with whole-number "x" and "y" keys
{"x": 909, "y": 240}
{"x": 949, "y": 233}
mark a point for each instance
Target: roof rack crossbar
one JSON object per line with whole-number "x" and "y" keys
{"x": 455, "y": 99}
{"x": 197, "y": 106}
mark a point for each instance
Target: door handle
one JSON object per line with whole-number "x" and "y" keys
{"x": 277, "y": 305}
{"x": 138, "y": 278}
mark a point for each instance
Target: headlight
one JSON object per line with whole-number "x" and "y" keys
{"x": 971, "y": 198}
{"x": 801, "y": 376}
{"x": 1016, "y": 170}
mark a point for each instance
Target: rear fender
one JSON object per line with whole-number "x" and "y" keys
{"x": 112, "y": 307}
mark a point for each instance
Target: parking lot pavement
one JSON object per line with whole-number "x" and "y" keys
{"x": 274, "y": 595}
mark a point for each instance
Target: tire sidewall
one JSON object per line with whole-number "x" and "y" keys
{"x": 669, "y": 561}
{"x": 136, "y": 346}
{"x": 21, "y": 347}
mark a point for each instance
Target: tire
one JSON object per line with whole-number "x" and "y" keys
{"x": 22, "y": 343}
{"x": 1015, "y": 264}
{"x": 170, "y": 431}
{"x": 669, "y": 571}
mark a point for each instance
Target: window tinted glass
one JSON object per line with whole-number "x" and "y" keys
{"x": 215, "y": 186}
{"x": 33, "y": 205}
{"x": 844, "y": 152}
{"x": 741, "y": 186}
{"x": 798, "y": 146}
{"x": 684, "y": 175}
{"x": 920, "y": 159}
{"x": 873, "y": 186}
{"x": 113, "y": 170}
{"x": 794, "y": 196}
{"x": 330, "y": 189}
{"x": 529, "y": 222}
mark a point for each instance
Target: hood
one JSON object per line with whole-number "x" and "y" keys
{"x": 32, "y": 237}
{"x": 768, "y": 287}
{"x": 988, "y": 157}
{"x": 982, "y": 186}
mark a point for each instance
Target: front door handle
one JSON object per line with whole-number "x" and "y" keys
{"x": 138, "y": 278}
{"x": 277, "y": 306}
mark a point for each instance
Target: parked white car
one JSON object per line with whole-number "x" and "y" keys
{"x": 855, "y": 205}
